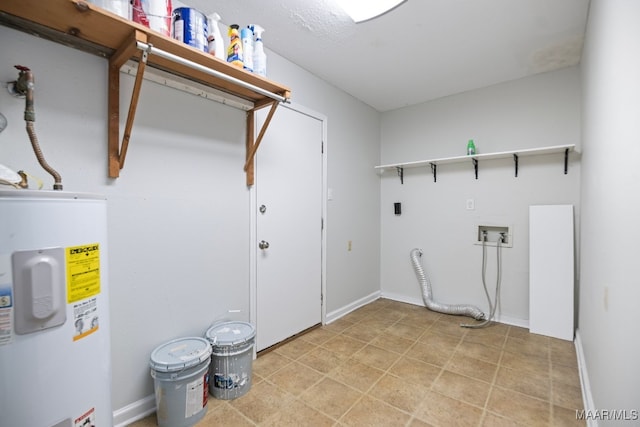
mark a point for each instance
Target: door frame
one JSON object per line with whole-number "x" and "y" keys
{"x": 253, "y": 234}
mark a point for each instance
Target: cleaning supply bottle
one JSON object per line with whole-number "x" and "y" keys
{"x": 259, "y": 57}
{"x": 471, "y": 148}
{"x": 246, "y": 35}
{"x": 216, "y": 43}
{"x": 234, "y": 52}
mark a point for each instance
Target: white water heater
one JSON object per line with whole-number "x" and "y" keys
{"x": 55, "y": 368}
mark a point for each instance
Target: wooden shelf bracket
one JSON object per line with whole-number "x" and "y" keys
{"x": 252, "y": 146}
{"x": 83, "y": 25}
{"x": 117, "y": 152}
{"x": 138, "y": 41}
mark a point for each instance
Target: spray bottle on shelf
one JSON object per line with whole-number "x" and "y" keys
{"x": 234, "y": 52}
{"x": 471, "y": 148}
{"x": 259, "y": 57}
{"x": 138, "y": 13}
{"x": 216, "y": 43}
{"x": 246, "y": 35}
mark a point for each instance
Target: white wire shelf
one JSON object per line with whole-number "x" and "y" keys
{"x": 515, "y": 154}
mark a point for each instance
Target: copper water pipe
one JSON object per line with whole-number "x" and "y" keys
{"x": 24, "y": 85}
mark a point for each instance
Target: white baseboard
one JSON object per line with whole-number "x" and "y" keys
{"x": 336, "y": 314}
{"x": 135, "y": 411}
{"x": 146, "y": 406}
{"x": 403, "y": 298}
{"x": 513, "y": 321}
{"x": 523, "y": 323}
{"x": 587, "y": 397}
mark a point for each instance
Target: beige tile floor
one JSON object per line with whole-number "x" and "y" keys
{"x": 396, "y": 364}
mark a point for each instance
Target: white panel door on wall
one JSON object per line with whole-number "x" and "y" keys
{"x": 289, "y": 221}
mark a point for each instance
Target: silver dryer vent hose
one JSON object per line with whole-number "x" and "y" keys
{"x": 455, "y": 309}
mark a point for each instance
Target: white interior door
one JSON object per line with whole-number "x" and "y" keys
{"x": 289, "y": 221}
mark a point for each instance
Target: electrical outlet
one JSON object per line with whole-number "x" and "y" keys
{"x": 471, "y": 204}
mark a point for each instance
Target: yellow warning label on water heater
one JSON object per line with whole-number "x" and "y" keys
{"x": 83, "y": 272}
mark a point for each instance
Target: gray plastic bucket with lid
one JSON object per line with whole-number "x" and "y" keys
{"x": 231, "y": 359}
{"x": 180, "y": 369}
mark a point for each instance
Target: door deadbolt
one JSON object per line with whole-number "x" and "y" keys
{"x": 263, "y": 245}
{"x": 263, "y": 209}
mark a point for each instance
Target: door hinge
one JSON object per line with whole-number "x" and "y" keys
{"x": 322, "y": 147}
{"x": 321, "y": 223}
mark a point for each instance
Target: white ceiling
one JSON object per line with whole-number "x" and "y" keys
{"x": 422, "y": 50}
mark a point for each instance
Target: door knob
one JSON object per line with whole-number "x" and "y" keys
{"x": 263, "y": 208}
{"x": 263, "y": 245}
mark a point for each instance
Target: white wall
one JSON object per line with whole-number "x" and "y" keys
{"x": 534, "y": 112}
{"x": 179, "y": 215}
{"x": 610, "y": 288}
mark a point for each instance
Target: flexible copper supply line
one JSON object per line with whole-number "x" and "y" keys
{"x": 25, "y": 85}
{"x": 57, "y": 184}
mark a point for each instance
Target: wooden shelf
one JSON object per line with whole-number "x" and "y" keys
{"x": 515, "y": 154}
{"x": 81, "y": 25}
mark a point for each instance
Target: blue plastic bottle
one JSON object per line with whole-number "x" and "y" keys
{"x": 246, "y": 35}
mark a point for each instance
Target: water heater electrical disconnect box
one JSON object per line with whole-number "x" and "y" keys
{"x": 39, "y": 288}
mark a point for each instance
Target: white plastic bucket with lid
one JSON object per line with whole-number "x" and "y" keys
{"x": 231, "y": 360}
{"x": 180, "y": 369}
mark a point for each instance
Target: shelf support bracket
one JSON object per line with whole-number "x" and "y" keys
{"x": 249, "y": 169}
{"x": 433, "y": 170}
{"x": 515, "y": 160}
{"x": 118, "y": 153}
{"x": 566, "y": 160}
{"x": 252, "y": 147}
{"x": 475, "y": 166}
{"x": 400, "y": 171}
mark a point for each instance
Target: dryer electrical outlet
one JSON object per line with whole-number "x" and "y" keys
{"x": 493, "y": 233}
